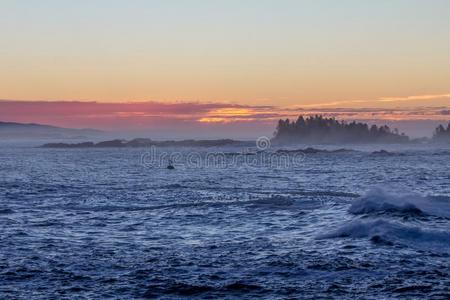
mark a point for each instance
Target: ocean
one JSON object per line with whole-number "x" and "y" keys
{"x": 231, "y": 222}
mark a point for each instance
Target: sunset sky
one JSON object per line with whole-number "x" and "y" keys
{"x": 218, "y": 68}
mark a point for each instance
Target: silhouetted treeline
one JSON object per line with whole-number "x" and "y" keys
{"x": 318, "y": 129}
{"x": 442, "y": 134}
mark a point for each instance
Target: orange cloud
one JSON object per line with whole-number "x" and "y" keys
{"x": 411, "y": 98}
{"x": 182, "y": 116}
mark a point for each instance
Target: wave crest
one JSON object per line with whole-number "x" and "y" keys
{"x": 379, "y": 200}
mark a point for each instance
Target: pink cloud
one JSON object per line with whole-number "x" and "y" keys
{"x": 192, "y": 118}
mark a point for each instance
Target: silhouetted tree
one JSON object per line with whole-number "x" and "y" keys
{"x": 441, "y": 134}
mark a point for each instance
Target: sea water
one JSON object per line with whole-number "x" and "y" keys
{"x": 116, "y": 223}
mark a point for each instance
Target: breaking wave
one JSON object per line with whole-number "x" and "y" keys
{"x": 383, "y": 231}
{"x": 379, "y": 200}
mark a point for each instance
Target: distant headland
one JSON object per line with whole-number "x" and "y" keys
{"x": 144, "y": 142}
{"x": 305, "y": 130}
{"x": 321, "y": 130}
{"x": 15, "y": 130}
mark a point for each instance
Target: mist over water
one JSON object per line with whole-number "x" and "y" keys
{"x": 103, "y": 223}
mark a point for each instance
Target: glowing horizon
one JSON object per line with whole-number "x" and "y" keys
{"x": 252, "y": 52}
{"x": 290, "y": 56}
{"x": 220, "y": 119}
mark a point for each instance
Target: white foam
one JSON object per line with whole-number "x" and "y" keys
{"x": 381, "y": 200}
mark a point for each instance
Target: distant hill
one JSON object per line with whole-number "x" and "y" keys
{"x": 13, "y": 130}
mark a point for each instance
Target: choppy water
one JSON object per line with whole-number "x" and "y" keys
{"x": 97, "y": 223}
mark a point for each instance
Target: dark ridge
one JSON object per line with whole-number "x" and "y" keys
{"x": 413, "y": 288}
{"x": 5, "y": 211}
{"x": 183, "y": 289}
{"x": 376, "y": 239}
{"x": 242, "y": 287}
{"x": 176, "y": 288}
{"x": 311, "y": 150}
{"x": 322, "y": 130}
{"x": 383, "y": 152}
{"x": 142, "y": 142}
{"x": 32, "y": 130}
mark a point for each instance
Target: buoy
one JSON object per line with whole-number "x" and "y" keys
{"x": 170, "y": 166}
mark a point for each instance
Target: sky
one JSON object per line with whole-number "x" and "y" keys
{"x": 181, "y": 67}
